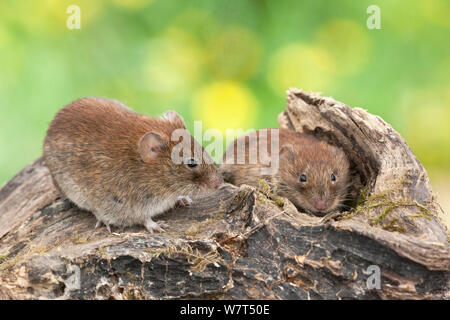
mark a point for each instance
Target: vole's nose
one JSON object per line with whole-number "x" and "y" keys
{"x": 219, "y": 182}
{"x": 320, "y": 204}
{"x": 216, "y": 182}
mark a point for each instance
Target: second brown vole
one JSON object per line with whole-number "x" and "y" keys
{"x": 118, "y": 164}
{"x": 312, "y": 174}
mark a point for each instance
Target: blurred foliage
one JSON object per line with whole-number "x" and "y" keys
{"x": 227, "y": 63}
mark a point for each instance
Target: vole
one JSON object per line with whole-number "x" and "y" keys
{"x": 312, "y": 174}
{"x": 118, "y": 164}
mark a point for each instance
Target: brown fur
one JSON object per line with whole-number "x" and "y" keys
{"x": 91, "y": 149}
{"x": 299, "y": 154}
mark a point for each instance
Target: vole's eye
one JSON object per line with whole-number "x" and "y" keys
{"x": 333, "y": 177}
{"x": 191, "y": 163}
{"x": 302, "y": 178}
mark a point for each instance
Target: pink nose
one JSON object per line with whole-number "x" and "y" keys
{"x": 320, "y": 204}
{"x": 216, "y": 182}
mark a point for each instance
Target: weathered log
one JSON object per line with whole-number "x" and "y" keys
{"x": 242, "y": 243}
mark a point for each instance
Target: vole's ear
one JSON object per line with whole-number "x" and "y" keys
{"x": 287, "y": 151}
{"x": 151, "y": 145}
{"x": 337, "y": 151}
{"x": 174, "y": 117}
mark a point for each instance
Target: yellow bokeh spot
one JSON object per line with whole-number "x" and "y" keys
{"x": 427, "y": 115}
{"x": 5, "y": 38}
{"x": 300, "y": 66}
{"x": 180, "y": 35}
{"x": 133, "y": 4}
{"x": 225, "y": 105}
{"x": 172, "y": 66}
{"x": 234, "y": 53}
{"x": 437, "y": 11}
{"x": 348, "y": 44}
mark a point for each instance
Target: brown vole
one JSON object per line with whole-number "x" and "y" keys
{"x": 118, "y": 164}
{"x": 311, "y": 173}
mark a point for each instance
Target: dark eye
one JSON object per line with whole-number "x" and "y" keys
{"x": 191, "y": 163}
{"x": 302, "y": 178}
{"x": 333, "y": 177}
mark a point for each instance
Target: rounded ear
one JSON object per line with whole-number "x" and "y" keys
{"x": 174, "y": 117}
{"x": 150, "y": 146}
{"x": 287, "y": 151}
{"x": 337, "y": 151}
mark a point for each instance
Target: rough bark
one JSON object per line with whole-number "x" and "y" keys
{"x": 242, "y": 243}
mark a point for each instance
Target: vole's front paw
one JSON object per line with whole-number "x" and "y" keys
{"x": 100, "y": 223}
{"x": 183, "y": 201}
{"x": 153, "y": 226}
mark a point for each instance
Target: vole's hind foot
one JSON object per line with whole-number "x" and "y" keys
{"x": 183, "y": 201}
{"x": 153, "y": 226}
{"x": 100, "y": 223}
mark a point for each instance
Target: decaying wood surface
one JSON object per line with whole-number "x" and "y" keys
{"x": 238, "y": 243}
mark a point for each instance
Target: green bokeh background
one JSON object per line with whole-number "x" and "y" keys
{"x": 227, "y": 63}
